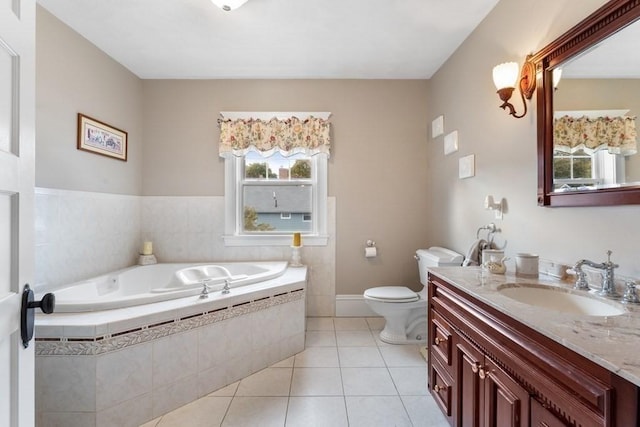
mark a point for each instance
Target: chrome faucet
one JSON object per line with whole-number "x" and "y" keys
{"x": 608, "y": 283}
{"x": 226, "y": 290}
{"x": 205, "y": 289}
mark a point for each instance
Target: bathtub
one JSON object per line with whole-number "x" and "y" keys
{"x": 127, "y": 347}
{"x": 160, "y": 282}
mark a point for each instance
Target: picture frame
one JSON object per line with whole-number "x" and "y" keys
{"x": 100, "y": 138}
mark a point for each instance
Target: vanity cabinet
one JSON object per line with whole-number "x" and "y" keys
{"x": 488, "y": 370}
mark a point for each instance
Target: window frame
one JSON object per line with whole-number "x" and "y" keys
{"x": 233, "y": 207}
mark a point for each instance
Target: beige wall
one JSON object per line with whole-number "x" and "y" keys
{"x": 505, "y": 148}
{"x": 377, "y": 170}
{"x": 73, "y": 76}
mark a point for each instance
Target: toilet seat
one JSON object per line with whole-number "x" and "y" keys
{"x": 392, "y": 294}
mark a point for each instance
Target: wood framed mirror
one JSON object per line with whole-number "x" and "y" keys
{"x": 600, "y": 173}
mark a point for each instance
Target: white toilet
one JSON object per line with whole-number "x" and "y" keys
{"x": 405, "y": 311}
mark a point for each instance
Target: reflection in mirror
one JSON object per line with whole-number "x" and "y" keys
{"x": 595, "y": 105}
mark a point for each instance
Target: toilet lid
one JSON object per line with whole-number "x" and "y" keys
{"x": 393, "y": 293}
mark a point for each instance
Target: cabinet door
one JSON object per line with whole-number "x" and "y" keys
{"x": 468, "y": 393}
{"x": 506, "y": 403}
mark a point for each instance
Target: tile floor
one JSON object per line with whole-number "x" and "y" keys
{"x": 345, "y": 376}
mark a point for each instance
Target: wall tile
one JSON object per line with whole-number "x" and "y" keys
{"x": 65, "y": 383}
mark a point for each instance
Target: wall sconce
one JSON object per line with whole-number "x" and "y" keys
{"x": 228, "y": 5}
{"x": 491, "y": 205}
{"x": 505, "y": 77}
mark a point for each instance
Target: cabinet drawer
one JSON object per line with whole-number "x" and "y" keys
{"x": 441, "y": 387}
{"x": 440, "y": 336}
{"x": 541, "y": 417}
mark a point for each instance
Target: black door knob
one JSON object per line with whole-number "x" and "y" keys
{"x": 27, "y": 316}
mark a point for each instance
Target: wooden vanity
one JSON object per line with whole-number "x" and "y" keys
{"x": 486, "y": 368}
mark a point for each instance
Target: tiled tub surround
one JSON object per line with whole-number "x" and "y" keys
{"x": 611, "y": 342}
{"x": 82, "y": 234}
{"x": 127, "y": 366}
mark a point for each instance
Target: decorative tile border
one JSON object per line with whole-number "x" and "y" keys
{"x": 109, "y": 343}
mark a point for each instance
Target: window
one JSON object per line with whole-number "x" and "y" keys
{"x": 581, "y": 170}
{"x": 279, "y": 189}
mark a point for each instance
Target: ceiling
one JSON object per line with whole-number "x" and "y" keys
{"x": 275, "y": 39}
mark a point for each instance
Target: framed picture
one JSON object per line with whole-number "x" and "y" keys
{"x": 100, "y": 138}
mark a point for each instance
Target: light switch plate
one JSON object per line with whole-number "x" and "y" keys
{"x": 451, "y": 142}
{"x": 437, "y": 126}
{"x": 466, "y": 166}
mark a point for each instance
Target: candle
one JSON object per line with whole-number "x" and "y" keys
{"x": 147, "y": 248}
{"x": 296, "y": 239}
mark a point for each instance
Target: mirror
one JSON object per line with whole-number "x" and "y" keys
{"x": 587, "y": 141}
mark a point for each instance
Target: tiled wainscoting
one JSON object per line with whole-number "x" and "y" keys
{"x": 80, "y": 235}
{"x": 127, "y": 378}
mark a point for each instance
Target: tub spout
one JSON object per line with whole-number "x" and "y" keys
{"x": 226, "y": 290}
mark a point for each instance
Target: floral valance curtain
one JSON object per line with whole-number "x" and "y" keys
{"x": 289, "y": 136}
{"x": 616, "y": 134}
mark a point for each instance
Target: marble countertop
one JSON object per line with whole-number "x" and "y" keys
{"x": 612, "y": 342}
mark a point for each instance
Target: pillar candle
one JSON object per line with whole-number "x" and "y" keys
{"x": 296, "y": 239}
{"x": 147, "y": 248}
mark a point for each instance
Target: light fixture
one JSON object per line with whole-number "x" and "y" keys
{"x": 228, "y": 5}
{"x": 505, "y": 77}
{"x": 491, "y": 205}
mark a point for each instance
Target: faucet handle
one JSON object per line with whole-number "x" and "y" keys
{"x": 630, "y": 295}
{"x": 609, "y": 263}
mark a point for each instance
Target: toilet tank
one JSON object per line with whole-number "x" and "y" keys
{"x": 436, "y": 256}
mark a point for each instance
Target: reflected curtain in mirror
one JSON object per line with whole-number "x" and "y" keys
{"x": 618, "y": 135}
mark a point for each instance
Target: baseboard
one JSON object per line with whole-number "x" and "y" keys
{"x": 353, "y": 306}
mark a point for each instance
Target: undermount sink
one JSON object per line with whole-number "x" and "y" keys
{"x": 557, "y": 299}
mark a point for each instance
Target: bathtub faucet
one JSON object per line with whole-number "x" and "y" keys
{"x": 205, "y": 289}
{"x": 226, "y": 290}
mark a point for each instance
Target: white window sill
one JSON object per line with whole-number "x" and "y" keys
{"x": 272, "y": 240}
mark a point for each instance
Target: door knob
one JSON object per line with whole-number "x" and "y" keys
{"x": 27, "y": 316}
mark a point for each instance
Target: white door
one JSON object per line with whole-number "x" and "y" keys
{"x": 17, "y": 145}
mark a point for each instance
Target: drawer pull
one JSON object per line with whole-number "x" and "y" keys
{"x": 483, "y": 374}
{"x": 475, "y": 368}
{"x": 438, "y": 340}
{"x": 438, "y": 388}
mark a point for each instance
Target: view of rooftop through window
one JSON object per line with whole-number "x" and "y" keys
{"x": 277, "y": 193}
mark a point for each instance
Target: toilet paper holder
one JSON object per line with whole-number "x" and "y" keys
{"x": 370, "y": 243}
{"x": 370, "y": 250}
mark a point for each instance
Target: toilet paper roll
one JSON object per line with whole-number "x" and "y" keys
{"x": 371, "y": 252}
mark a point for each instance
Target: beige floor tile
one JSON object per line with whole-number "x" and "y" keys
{"x": 355, "y": 338}
{"x": 376, "y": 411}
{"x": 424, "y": 411}
{"x": 256, "y": 411}
{"x": 320, "y": 339}
{"x": 316, "y": 382}
{"x": 320, "y": 324}
{"x": 367, "y": 382}
{"x": 360, "y": 357}
{"x": 410, "y": 381}
{"x": 317, "y": 357}
{"x": 376, "y": 323}
{"x": 402, "y": 356}
{"x": 152, "y": 423}
{"x": 229, "y": 390}
{"x": 286, "y": 363}
{"x": 204, "y": 412}
{"x": 317, "y": 412}
{"x": 267, "y": 382}
{"x": 350, "y": 323}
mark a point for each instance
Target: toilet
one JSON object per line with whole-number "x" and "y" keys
{"x": 405, "y": 311}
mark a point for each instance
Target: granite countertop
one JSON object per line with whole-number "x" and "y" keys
{"x": 612, "y": 342}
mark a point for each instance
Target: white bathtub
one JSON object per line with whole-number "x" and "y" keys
{"x": 160, "y": 282}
